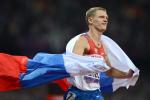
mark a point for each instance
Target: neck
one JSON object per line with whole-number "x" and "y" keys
{"x": 94, "y": 34}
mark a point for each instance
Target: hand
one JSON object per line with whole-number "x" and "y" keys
{"x": 130, "y": 73}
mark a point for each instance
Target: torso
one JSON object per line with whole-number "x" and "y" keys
{"x": 93, "y": 49}
{"x": 91, "y": 81}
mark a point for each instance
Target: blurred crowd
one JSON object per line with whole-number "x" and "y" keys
{"x": 31, "y": 26}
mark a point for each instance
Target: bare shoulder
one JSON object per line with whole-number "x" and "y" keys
{"x": 82, "y": 39}
{"x": 80, "y": 45}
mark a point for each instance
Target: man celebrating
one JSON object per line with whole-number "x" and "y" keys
{"x": 94, "y": 44}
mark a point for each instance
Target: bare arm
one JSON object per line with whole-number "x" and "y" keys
{"x": 119, "y": 74}
{"x": 113, "y": 72}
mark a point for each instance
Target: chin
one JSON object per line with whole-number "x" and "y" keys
{"x": 103, "y": 30}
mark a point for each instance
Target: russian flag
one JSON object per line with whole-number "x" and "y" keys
{"x": 18, "y": 72}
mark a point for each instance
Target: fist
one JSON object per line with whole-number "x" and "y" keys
{"x": 130, "y": 73}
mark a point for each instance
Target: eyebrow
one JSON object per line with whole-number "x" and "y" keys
{"x": 103, "y": 16}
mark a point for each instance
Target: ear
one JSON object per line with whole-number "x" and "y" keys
{"x": 90, "y": 20}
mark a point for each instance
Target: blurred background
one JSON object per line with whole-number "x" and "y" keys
{"x": 31, "y": 26}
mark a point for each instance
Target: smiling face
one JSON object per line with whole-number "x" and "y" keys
{"x": 98, "y": 20}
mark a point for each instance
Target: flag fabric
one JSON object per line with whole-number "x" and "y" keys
{"x": 18, "y": 72}
{"x": 118, "y": 59}
{"x": 10, "y": 69}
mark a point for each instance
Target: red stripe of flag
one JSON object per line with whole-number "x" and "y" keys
{"x": 10, "y": 69}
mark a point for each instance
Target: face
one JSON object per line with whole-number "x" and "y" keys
{"x": 99, "y": 21}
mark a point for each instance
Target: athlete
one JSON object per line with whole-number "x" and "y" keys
{"x": 87, "y": 87}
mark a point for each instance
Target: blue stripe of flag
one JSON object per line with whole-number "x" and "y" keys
{"x": 106, "y": 83}
{"x": 42, "y": 69}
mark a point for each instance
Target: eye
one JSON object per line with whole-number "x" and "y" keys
{"x": 104, "y": 17}
{"x": 101, "y": 16}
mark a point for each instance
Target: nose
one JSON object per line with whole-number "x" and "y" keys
{"x": 105, "y": 19}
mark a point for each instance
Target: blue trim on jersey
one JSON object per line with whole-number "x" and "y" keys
{"x": 106, "y": 83}
{"x": 43, "y": 68}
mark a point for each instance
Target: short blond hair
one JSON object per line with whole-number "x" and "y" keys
{"x": 91, "y": 12}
